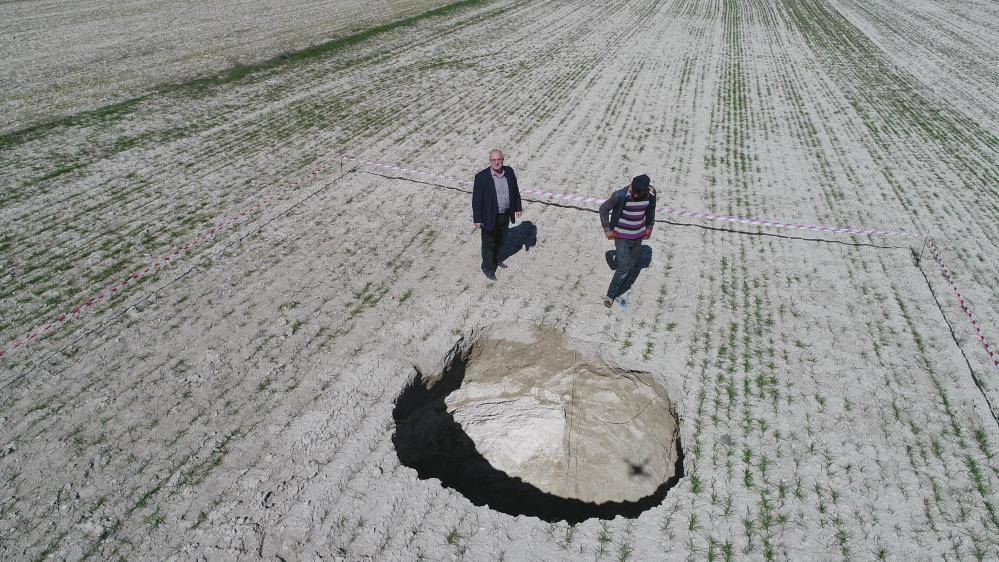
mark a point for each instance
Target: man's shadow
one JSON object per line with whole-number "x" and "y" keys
{"x": 524, "y": 235}
{"x": 644, "y": 261}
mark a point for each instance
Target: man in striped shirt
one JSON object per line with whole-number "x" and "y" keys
{"x": 627, "y": 217}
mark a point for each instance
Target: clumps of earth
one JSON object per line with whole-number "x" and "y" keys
{"x": 527, "y": 422}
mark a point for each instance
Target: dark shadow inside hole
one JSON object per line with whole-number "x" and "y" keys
{"x": 429, "y": 440}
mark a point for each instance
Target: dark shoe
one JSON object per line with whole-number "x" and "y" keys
{"x": 490, "y": 275}
{"x": 608, "y": 302}
{"x": 503, "y": 265}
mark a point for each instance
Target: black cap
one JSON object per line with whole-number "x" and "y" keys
{"x": 640, "y": 184}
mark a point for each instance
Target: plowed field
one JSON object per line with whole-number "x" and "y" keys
{"x": 207, "y": 312}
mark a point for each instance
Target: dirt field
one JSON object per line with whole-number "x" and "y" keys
{"x": 236, "y": 399}
{"x": 63, "y": 57}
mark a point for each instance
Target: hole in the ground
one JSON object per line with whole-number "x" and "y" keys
{"x": 525, "y": 423}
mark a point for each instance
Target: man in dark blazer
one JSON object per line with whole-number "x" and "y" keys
{"x": 495, "y": 206}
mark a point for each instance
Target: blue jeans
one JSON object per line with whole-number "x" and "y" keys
{"x": 626, "y": 258}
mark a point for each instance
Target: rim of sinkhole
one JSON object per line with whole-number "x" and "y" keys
{"x": 525, "y": 421}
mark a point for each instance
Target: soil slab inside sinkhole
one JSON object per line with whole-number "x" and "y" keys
{"x": 525, "y": 422}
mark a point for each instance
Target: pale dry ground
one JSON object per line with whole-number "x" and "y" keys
{"x": 239, "y": 404}
{"x": 62, "y": 57}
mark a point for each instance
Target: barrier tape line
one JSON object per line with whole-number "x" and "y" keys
{"x": 111, "y": 291}
{"x": 960, "y": 299}
{"x": 682, "y": 212}
{"x": 675, "y": 211}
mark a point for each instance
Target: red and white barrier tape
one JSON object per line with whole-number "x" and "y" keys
{"x": 681, "y": 212}
{"x": 109, "y": 292}
{"x": 960, "y": 299}
{"x": 675, "y": 211}
{"x": 565, "y": 197}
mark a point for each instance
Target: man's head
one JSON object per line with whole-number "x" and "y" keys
{"x": 640, "y": 186}
{"x": 496, "y": 160}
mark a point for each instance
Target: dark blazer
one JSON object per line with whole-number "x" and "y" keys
{"x": 614, "y": 205}
{"x": 484, "y": 205}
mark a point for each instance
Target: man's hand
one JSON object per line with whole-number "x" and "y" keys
{"x": 611, "y": 235}
{"x": 519, "y": 213}
{"x": 648, "y": 234}
{"x": 476, "y": 226}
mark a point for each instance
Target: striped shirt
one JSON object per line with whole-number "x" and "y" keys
{"x": 631, "y": 225}
{"x": 502, "y": 191}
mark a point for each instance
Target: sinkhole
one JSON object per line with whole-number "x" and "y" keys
{"x": 526, "y": 422}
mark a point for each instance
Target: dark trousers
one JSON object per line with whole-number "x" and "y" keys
{"x": 626, "y": 259}
{"x": 492, "y": 242}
